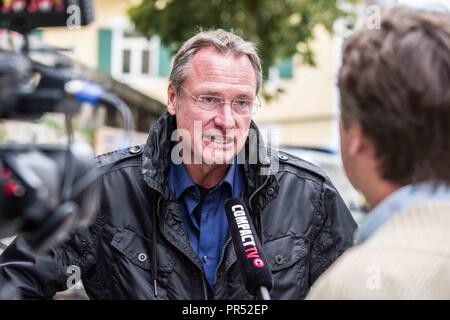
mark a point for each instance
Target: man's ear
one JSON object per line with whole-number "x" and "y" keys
{"x": 359, "y": 143}
{"x": 172, "y": 99}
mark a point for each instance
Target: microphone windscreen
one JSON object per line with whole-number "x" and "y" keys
{"x": 250, "y": 257}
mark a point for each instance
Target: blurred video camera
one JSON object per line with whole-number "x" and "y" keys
{"x": 46, "y": 190}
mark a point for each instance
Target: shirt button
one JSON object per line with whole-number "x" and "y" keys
{"x": 205, "y": 259}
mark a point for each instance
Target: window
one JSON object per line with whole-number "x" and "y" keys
{"x": 131, "y": 34}
{"x": 135, "y": 59}
{"x": 126, "y": 61}
{"x": 286, "y": 68}
{"x": 145, "y": 61}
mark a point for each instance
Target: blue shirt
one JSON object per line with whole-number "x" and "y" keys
{"x": 398, "y": 201}
{"x": 208, "y": 237}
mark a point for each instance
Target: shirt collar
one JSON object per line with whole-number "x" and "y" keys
{"x": 180, "y": 180}
{"x": 401, "y": 199}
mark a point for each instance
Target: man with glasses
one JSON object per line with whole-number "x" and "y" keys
{"x": 161, "y": 231}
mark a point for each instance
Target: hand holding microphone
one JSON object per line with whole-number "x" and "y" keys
{"x": 251, "y": 259}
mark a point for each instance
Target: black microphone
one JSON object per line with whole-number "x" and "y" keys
{"x": 251, "y": 259}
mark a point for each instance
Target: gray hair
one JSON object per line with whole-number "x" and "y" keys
{"x": 224, "y": 42}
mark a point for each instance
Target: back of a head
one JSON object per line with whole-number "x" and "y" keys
{"x": 395, "y": 81}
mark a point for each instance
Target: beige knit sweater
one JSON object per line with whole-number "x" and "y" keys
{"x": 407, "y": 258}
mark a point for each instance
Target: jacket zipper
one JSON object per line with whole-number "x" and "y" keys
{"x": 154, "y": 266}
{"x": 223, "y": 254}
{"x": 256, "y": 191}
{"x": 217, "y": 269}
{"x": 205, "y": 288}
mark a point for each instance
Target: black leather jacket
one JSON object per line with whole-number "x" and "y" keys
{"x": 137, "y": 244}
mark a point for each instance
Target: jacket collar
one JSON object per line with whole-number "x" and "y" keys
{"x": 157, "y": 151}
{"x": 156, "y": 157}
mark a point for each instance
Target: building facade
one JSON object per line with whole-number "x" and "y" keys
{"x": 304, "y": 114}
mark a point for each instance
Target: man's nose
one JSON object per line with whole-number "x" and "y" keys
{"x": 224, "y": 117}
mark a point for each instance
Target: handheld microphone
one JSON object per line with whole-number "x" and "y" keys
{"x": 251, "y": 259}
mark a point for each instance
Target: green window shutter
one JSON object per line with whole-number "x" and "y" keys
{"x": 104, "y": 50}
{"x": 37, "y": 33}
{"x": 286, "y": 68}
{"x": 165, "y": 62}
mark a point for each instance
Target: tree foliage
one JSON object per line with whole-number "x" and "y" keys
{"x": 279, "y": 28}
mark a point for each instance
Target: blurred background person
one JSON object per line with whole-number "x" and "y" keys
{"x": 395, "y": 145}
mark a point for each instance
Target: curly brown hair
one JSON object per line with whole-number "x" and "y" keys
{"x": 395, "y": 81}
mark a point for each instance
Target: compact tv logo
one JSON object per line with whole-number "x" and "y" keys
{"x": 247, "y": 238}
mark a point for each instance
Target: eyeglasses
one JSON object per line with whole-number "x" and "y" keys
{"x": 212, "y": 103}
